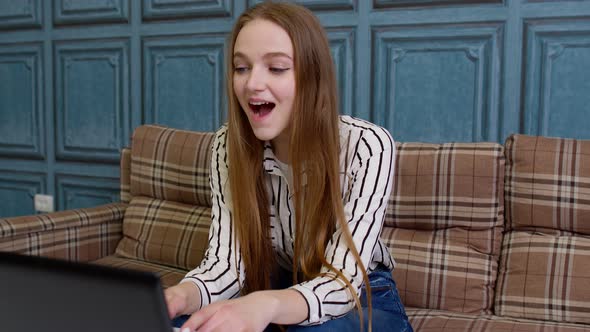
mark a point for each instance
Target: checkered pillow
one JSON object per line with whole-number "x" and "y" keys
{"x": 172, "y": 165}
{"x": 545, "y": 258}
{"x": 165, "y": 232}
{"x": 548, "y": 183}
{"x": 444, "y": 224}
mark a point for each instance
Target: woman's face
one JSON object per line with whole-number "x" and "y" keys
{"x": 264, "y": 79}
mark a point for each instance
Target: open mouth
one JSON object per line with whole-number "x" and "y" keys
{"x": 261, "y": 108}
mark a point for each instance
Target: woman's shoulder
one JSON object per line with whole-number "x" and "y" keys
{"x": 221, "y": 136}
{"x": 219, "y": 145}
{"x": 353, "y": 129}
{"x": 221, "y": 131}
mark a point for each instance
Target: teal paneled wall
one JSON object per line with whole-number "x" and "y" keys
{"x": 437, "y": 83}
{"x": 557, "y": 79}
{"x": 184, "y": 81}
{"x": 77, "y": 76}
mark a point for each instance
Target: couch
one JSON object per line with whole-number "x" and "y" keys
{"x": 486, "y": 237}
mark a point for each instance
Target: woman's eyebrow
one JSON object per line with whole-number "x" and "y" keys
{"x": 267, "y": 55}
{"x": 240, "y": 55}
{"x": 276, "y": 54}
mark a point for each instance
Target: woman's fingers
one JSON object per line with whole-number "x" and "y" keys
{"x": 223, "y": 320}
{"x": 242, "y": 314}
{"x": 200, "y": 317}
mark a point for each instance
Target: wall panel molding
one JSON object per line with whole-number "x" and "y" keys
{"x": 21, "y": 101}
{"x": 20, "y": 14}
{"x": 556, "y": 80}
{"x": 17, "y": 192}
{"x": 383, "y": 4}
{"x": 84, "y": 11}
{"x": 92, "y": 99}
{"x": 74, "y": 192}
{"x": 167, "y": 9}
{"x": 184, "y": 83}
{"x": 321, "y": 5}
{"x": 418, "y": 72}
{"x": 342, "y": 45}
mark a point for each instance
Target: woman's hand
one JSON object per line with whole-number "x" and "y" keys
{"x": 250, "y": 313}
{"x": 182, "y": 299}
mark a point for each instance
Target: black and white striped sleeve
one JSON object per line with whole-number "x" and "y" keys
{"x": 217, "y": 277}
{"x": 328, "y": 297}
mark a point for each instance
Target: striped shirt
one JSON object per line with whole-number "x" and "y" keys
{"x": 367, "y": 157}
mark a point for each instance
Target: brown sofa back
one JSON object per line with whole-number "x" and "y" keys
{"x": 444, "y": 224}
{"x": 125, "y": 175}
{"x": 545, "y": 261}
{"x": 169, "y": 214}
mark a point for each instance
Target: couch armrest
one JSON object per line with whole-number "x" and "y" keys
{"x": 77, "y": 235}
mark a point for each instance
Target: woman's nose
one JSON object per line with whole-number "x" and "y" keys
{"x": 256, "y": 80}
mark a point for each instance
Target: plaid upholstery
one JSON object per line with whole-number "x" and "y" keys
{"x": 444, "y": 224}
{"x": 545, "y": 276}
{"x": 80, "y": 235}
{"x": 171, "y": 165}
{"x": 165, "y": 232}
{"x": 424, "y": 320}
{"x": 169, "y": 276}
{"x": 544, "y": 265}
{"x": 548, "y": 183}
{"x": 125, "y": 175}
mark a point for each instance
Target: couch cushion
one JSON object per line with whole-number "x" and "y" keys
{"x": 545, "y": 257}
{"x": 444, "y": 224}
{"x": 548, "y": 183}
{"x": 424, "y": 320}
{"x": 545, "y": 275}
{"x": 169, "y": 276}
{"x": 171, "y": 164}
{"x": 165, "y": 232}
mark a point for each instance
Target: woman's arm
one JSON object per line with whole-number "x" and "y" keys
{"x": 364, "y": 208}
{"x": 252, "y": 312}
{"x": 216, "y": 277}
{"x": 287, "y": 305}
{"x": 182, "y": 299}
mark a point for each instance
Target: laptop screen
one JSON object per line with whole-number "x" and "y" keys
{"x": 41, "y": 294}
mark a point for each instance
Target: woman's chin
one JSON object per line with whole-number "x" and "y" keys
{"x": 264, "y": 134}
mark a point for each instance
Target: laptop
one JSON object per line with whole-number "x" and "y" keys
{"x": 45, "y": 295}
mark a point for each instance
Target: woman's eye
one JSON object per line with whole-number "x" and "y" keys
{"x": 240, "y": 69}
{"x": 278, "y": 70}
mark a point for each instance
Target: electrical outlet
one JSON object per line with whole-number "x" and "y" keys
{"x": 44, "y": 203}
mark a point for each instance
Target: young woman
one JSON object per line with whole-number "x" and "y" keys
{"x": 299, "y": 195}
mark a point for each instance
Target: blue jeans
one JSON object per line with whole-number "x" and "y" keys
{"x": 389, "y": 314}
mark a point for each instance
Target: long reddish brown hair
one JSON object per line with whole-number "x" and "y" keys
{"x": 314, "y": 152}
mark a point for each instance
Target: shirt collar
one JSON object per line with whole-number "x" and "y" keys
{"x": 271, "y": 166}
{"x": 269, "y": 162}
